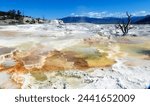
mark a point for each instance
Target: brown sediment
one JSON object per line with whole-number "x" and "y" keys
{"x": 31, "y": 59}
{"x": 2, "y": 68}
{"x": 12, "y": 33}
{"x": 65, "y": 60}
{"x": 8, "y": 33}
{"x": 82, "y": 59}
{"x": 79, "y": 62}
{"x": 128, "y": 63}
{"x": 96, "y": 40}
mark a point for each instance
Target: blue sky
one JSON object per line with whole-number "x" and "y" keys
{"x": 60, "y": 8}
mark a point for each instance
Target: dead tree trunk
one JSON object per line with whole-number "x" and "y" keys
{"x": 125, "y": 26}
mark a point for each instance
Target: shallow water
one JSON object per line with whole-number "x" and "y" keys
{"x": 92, "y": 55}
{"x": 6, "y": 82}
{"x": 39, "y": 75}
{"x": 136, "y": 50}
{"x": 5, "y": 50}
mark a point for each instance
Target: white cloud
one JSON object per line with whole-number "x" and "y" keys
{"x": 108, "y": 14}
{"x": 91, "y": 14}
{"x": 141, "y": 13}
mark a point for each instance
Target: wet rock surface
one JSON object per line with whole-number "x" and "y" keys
{"x": 56, "y": 58}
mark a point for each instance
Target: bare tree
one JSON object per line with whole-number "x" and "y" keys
{"x": 125, "y": 26}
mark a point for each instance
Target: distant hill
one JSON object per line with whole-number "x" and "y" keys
{"x": 145, "y": 20}
{"x": 90, "y": 20}
{"x": 106, "y": 20}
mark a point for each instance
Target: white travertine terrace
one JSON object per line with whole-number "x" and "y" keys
{"x": 82, "y": 53}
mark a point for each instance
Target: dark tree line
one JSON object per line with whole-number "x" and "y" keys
{"x": 12, "y": 14}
